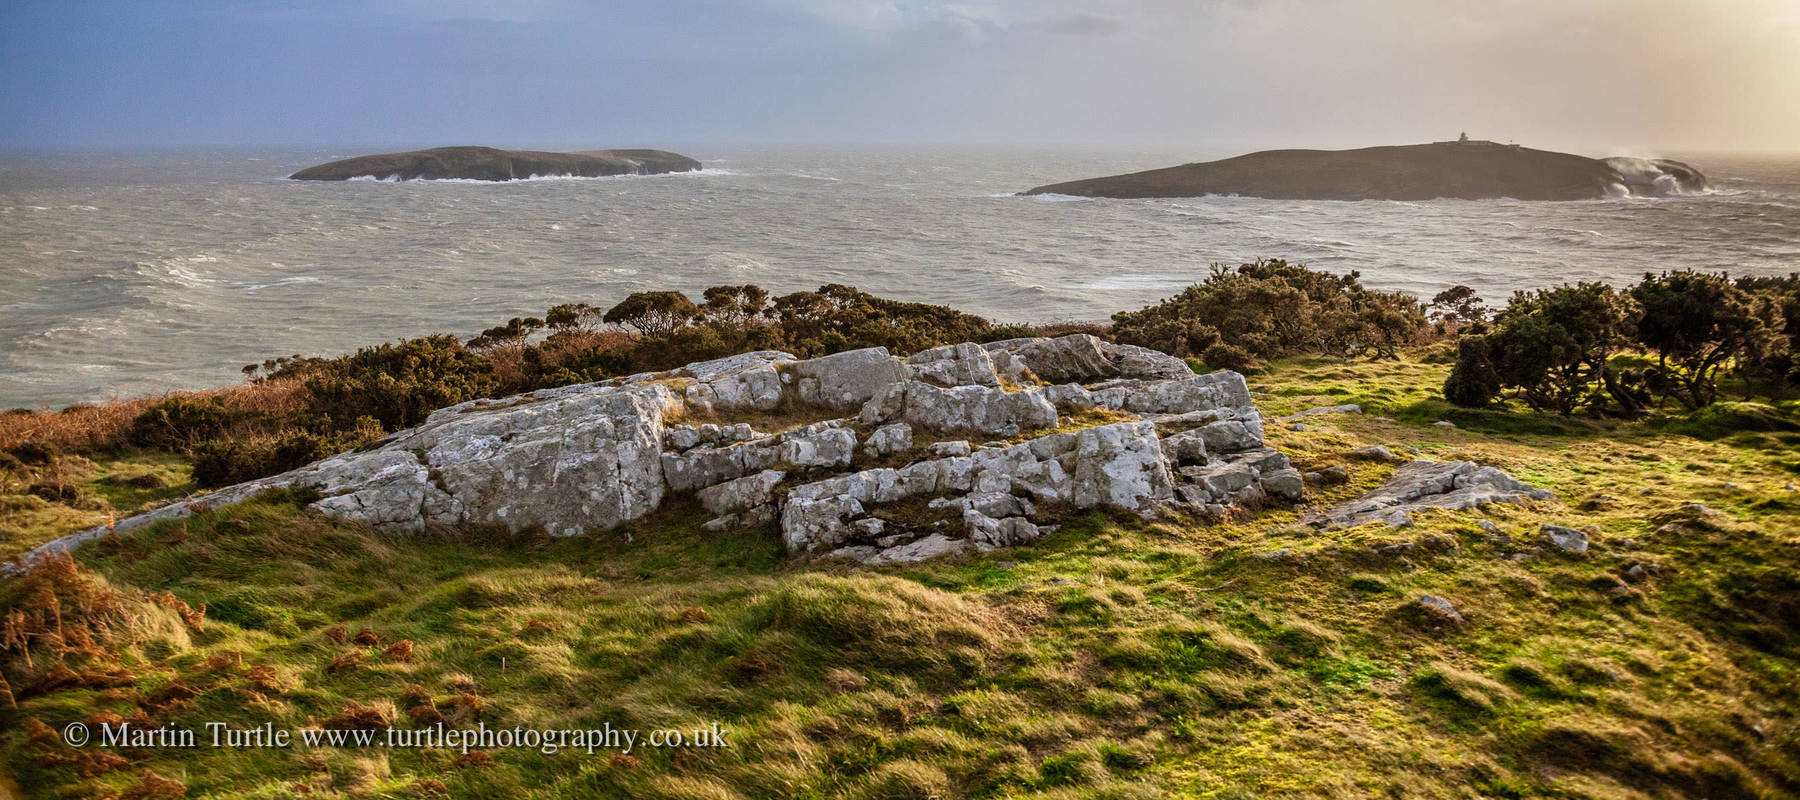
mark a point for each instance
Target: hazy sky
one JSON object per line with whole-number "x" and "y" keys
{"x": 1597, "y": 76}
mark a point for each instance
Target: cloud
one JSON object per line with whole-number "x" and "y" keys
{"x": 1080, "y": 25}
{"x": 975, "y": 19}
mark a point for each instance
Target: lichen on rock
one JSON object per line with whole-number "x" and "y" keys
{"x": 592, "y": 456}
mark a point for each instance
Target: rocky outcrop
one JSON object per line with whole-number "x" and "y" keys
{"x": 1418, "y": 485}
{"x": 490, "y": 164}
{"x": 1466, "y": 170}
{"x": 592, "y": 456}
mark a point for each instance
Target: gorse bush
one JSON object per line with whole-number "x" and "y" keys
{"x": 180, "y": 422}
{"x": 1272, "y": 309}
{"x": 668, "y": 330}
{"x": 1675, "y": 337}
{"x": 226, "y": 461}
{"x": 396, "y": 384}
{"x": 1697, "y": 324}
{"x": 1553, "y": 346}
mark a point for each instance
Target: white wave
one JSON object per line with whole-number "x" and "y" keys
{"x": 282, "y": 282}
{"x": 730, "y": 261}
{"x": 1058, "y": 198}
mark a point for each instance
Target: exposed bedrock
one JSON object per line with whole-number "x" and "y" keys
{"x": 1419, "y": 485}
{"x": 957, "y": 449}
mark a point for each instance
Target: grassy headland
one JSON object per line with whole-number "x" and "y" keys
{"x": 1118, "y": 657}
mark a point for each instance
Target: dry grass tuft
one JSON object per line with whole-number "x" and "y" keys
{"x": 151, "y": 786}
{"x": 356, "y": 716}
{"x": 401, "y": 651}
{"x": 464, "y": 708}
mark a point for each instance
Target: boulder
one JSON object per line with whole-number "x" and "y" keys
{"x": 1568, "y": 540}
{"x": 744, "y": 381}
{"x": 822, "y": 444}
{"x": 1438, "y": 612}
{"x": 1118, "y": 465}
{"x": 936, "y": 545}
{"x": 1080, "y": 358}
{"x": 1348, "y": 408}
{"x": 562, "y": 460}
{"x": 1376, "y": 452}
{"x": 966, "y": 364}
{"x": 846, "y": 380}
{"x": 964, "y": 409}
{"x": 956, "y": 447}
{"x": 1422, "y": 484}
{"x": 888, "y": 439}
{"x": 746, "y": 492}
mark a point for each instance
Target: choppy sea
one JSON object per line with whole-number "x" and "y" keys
{"x": 128, "y": 273}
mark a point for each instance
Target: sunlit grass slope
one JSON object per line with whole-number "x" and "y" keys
{"x": 1115, "y": 658}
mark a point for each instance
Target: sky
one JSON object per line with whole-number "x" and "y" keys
{"x": 1595, "y": 76}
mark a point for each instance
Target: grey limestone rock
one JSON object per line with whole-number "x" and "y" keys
{"x": 1418, "y": 485}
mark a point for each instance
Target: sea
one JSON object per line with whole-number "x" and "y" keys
{"x": 125, "y": 274}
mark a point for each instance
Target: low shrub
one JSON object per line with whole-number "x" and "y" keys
{"x": 180, "y": 422}
{"x": 1273, "y": 309}
{"x": 1673, "y": 337}
{"x": 396, "y": 384}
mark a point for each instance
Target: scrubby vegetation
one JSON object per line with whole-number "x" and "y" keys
{"x": 298, "y": 409}
{"x": 1241, "y": 317}
{"x": 1117, "y": 658}
{"x": 1675, "y": 339}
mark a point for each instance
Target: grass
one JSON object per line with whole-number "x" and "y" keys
{"x": 113, "y": 486}
{"x": 1115, "y": 658}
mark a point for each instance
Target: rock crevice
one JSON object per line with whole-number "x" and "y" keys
{"x": 593, "y": 456}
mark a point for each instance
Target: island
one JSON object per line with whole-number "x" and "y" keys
{"x": 493, "y": 164}
{"x": 1465, "y": 169}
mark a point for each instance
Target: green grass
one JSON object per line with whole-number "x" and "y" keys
{"x": 1116, "y": 658}
{"x": 106, "y": 487}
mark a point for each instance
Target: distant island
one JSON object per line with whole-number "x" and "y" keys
{"x": 1465, "y": 169}
{"x": 491, "y": 164}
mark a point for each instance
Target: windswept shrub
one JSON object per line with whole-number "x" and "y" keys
{"x": 512, "y": 334}
{"x": 653, "y": 313}
{"x": 1273, "y": 309}
{"x": 1552, "y": 349}
{"x": 227, "y": 461}
{"x": 397, "y": 384}
{"x": 181, "y": 422}
{"x": 1457, "y": 307}
{"x": 1697, "y": 324}
{"x": 1775, "y": 369}
{"x": 838, "y": 317}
